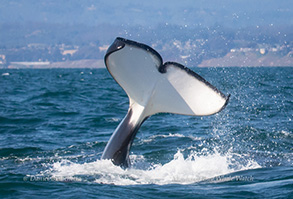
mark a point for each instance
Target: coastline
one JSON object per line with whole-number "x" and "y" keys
{"x": 249, "y": 60}
{"x": 85, "y": 63}
{"x": 229, "y": 60}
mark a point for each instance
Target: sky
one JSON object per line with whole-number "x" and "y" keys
{"x": 230, "y": 13}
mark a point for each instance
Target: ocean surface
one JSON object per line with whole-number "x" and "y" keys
{"x": 55, "y": 123}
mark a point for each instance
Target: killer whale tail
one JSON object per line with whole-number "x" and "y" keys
{"x": 154, "y": 87}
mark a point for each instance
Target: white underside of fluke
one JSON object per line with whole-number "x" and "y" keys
{"x": 175, "y": 91}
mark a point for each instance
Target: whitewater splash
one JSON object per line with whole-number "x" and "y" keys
{"x": 180, "y": 170}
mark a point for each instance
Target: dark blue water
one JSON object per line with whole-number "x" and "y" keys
{"x": 54, "y": 125}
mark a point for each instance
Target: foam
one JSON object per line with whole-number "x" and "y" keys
{"x": 179, "y": 170}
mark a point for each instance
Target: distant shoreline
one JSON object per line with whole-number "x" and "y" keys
{"x": 85, "y": 63}
{"x": 229, "y": 60}
{"x": 249, "y": 60}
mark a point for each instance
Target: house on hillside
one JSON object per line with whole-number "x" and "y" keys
{"x": 2, "y": 61}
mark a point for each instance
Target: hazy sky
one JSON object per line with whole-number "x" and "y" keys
{"x": 231, "y": 13}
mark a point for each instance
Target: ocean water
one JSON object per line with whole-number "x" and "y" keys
{"x": 55, "y": 123}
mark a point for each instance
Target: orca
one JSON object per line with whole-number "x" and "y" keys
{"x": 153, "y": 87}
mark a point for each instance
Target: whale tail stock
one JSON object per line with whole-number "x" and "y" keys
{"x": 153, "y": 87}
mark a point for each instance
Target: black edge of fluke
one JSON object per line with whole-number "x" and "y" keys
{"x": 141, "y": 45}
{"x": 226, "y": 103}
{"x": 120, "y": 42}
{"x": 116, "y": 45}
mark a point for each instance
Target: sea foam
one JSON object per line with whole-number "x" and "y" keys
{"x": 195, "y": 168}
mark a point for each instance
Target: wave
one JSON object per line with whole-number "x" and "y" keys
{"x": 170, "y": 135}
{"x": 6, "y": 152}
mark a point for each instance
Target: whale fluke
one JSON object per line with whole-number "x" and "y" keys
{"x": 154, "y": 87}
